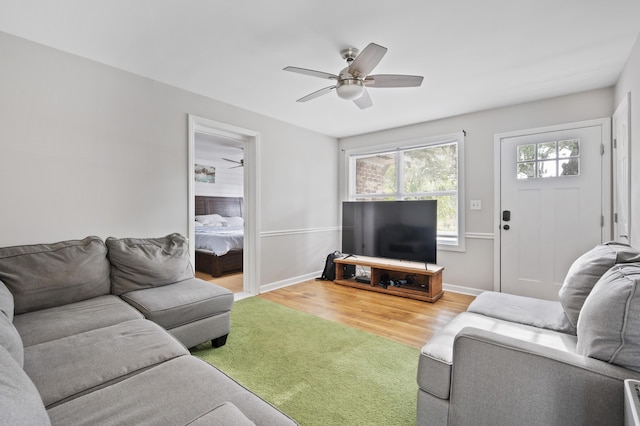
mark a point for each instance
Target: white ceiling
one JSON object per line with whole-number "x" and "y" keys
{"x": 474, "y": 54}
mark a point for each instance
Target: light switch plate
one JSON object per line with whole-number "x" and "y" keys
{"x": 475, "y": 205}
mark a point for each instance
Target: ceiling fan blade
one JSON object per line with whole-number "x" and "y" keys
{"x": 316, "y": 94}
{"x": 364, "y": 101}
{"x": 393, "y": 80}
{"x": 233, "y": 161}
{"x": 367, "y": 60}
{"x": 312, "y": 73}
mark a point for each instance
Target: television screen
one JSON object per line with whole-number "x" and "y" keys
{"x": 404, "y": 230}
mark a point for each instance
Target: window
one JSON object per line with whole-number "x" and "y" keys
{"x": 548, "y": 159}
{"x": 429, "y": 169}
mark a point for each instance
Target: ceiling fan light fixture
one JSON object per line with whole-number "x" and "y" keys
{"x": 350, "y": 89}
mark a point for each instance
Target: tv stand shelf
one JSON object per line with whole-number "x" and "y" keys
{"x": 423, "y": 281}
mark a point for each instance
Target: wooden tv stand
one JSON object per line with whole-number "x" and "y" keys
{"x": 424, "y": 282}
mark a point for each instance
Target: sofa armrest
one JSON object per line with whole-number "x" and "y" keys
{"x": 502, "y": 380}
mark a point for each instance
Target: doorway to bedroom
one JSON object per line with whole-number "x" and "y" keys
{"x": 222, "y": 213}
{"x": 219, "y": 193}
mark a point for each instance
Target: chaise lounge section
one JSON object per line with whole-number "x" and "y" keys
{"x": 519, "y": 360}
{"x": 84, "y": 340}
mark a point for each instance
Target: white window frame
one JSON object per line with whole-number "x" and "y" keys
{"x": 444, "y": 243}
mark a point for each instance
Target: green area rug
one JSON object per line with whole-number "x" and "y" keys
{"x": 317, "y": 371}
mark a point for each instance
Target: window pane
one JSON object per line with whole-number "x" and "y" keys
{"x": 570, "y": 167}
{"x": 376, "y": 174}
{"x": 570, "y": 148}
{"x": 546, "y": 150}
{"x": 526, "y": 170}
{"x": 526, "y": 152}
{"x": 547, "y": 169}
{"x": 431, "y": 169}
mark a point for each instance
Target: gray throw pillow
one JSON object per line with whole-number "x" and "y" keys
{"x": 10, "y": 339}
{"x": 587, "y": 270}
{"x": 45, "y": 275}
{"x": 20, "y": 402}
{"x": 6, "y": 301}
{"x": 139, "y": 263}
{"x": 609, "y": 324}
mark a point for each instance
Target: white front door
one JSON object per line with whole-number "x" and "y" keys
{"x": 621, "y": 181}
{"x": 552, "y": 203}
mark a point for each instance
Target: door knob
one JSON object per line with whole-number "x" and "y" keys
{"x": 506, "y": 227}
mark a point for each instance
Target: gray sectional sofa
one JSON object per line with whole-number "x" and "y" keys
{"x": 96, "y": 333}
{"x": 518, "y": 360}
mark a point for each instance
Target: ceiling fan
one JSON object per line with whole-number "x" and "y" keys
{"x": 239, "y": 163}
{"x": 351, "y": 82}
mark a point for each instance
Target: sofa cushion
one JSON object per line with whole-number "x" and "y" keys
{"x": 436, "y": 357}
{"x": 224, "y": 414}
{"x": 181, "y": 303}
{"x": 10, "y": 339}
{"x": 6, "y": 301}
{"x": 522, "y": 310}
{"x": 175, "y": 392}
{"x": 585, "y": 272}
{"x": 20, "y": 403}
{"x": 609, "y": 324}
{"x": 73, "y": 365}
{"x": 44, "y": 275}
{"x": 138, "y": 263}
{"x": 55, "y": 323}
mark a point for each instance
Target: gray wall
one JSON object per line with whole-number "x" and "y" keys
{"x": 86, "y": 149}
{"x": 473, "y": 269}
{"x": 629, "y": 82}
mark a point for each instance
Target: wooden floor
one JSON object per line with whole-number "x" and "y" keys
{"x": 232, "y": 282}
{"x": 407, "y": 321}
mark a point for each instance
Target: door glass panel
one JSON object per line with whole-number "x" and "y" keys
{"x": 570, "y": 167}
{"x": 547, "y": 169}
{"x": 546, "y": 150}
{"x": 526, "y": 170}
{"x": 526, "y": 152}
{"x": 570, "y": 148}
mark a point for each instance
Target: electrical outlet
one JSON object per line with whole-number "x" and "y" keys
{"x": 475, "y": 205}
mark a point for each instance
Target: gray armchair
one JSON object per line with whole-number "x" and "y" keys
{"x": 517, "y": 360}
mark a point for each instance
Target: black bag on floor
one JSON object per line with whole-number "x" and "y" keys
{"x": 329, "y": 272}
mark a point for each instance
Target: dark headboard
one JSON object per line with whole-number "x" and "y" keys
{"x": 224, "y": 206}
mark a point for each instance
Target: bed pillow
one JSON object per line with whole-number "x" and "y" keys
{"x": 45, "y": 275}
{"x": 211, "y": 219}
{"x": 587, "y": 270}
{"x": 139, "y": 263}
{"x": 234, "y": 221}
{"x": 609, "y": 324}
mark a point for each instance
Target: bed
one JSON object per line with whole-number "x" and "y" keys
{"x": 219, "y": 248}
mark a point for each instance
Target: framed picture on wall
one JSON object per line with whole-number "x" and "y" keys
{"x": 206, "y": 174}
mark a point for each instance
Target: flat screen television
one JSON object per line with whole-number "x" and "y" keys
{"x": 404, "y": 230}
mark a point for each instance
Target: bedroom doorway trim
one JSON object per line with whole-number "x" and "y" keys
{"x": 251, "y": 140}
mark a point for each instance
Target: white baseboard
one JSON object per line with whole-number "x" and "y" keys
{"x": 290, "y": 281}
{"x": 460, "y": 289}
